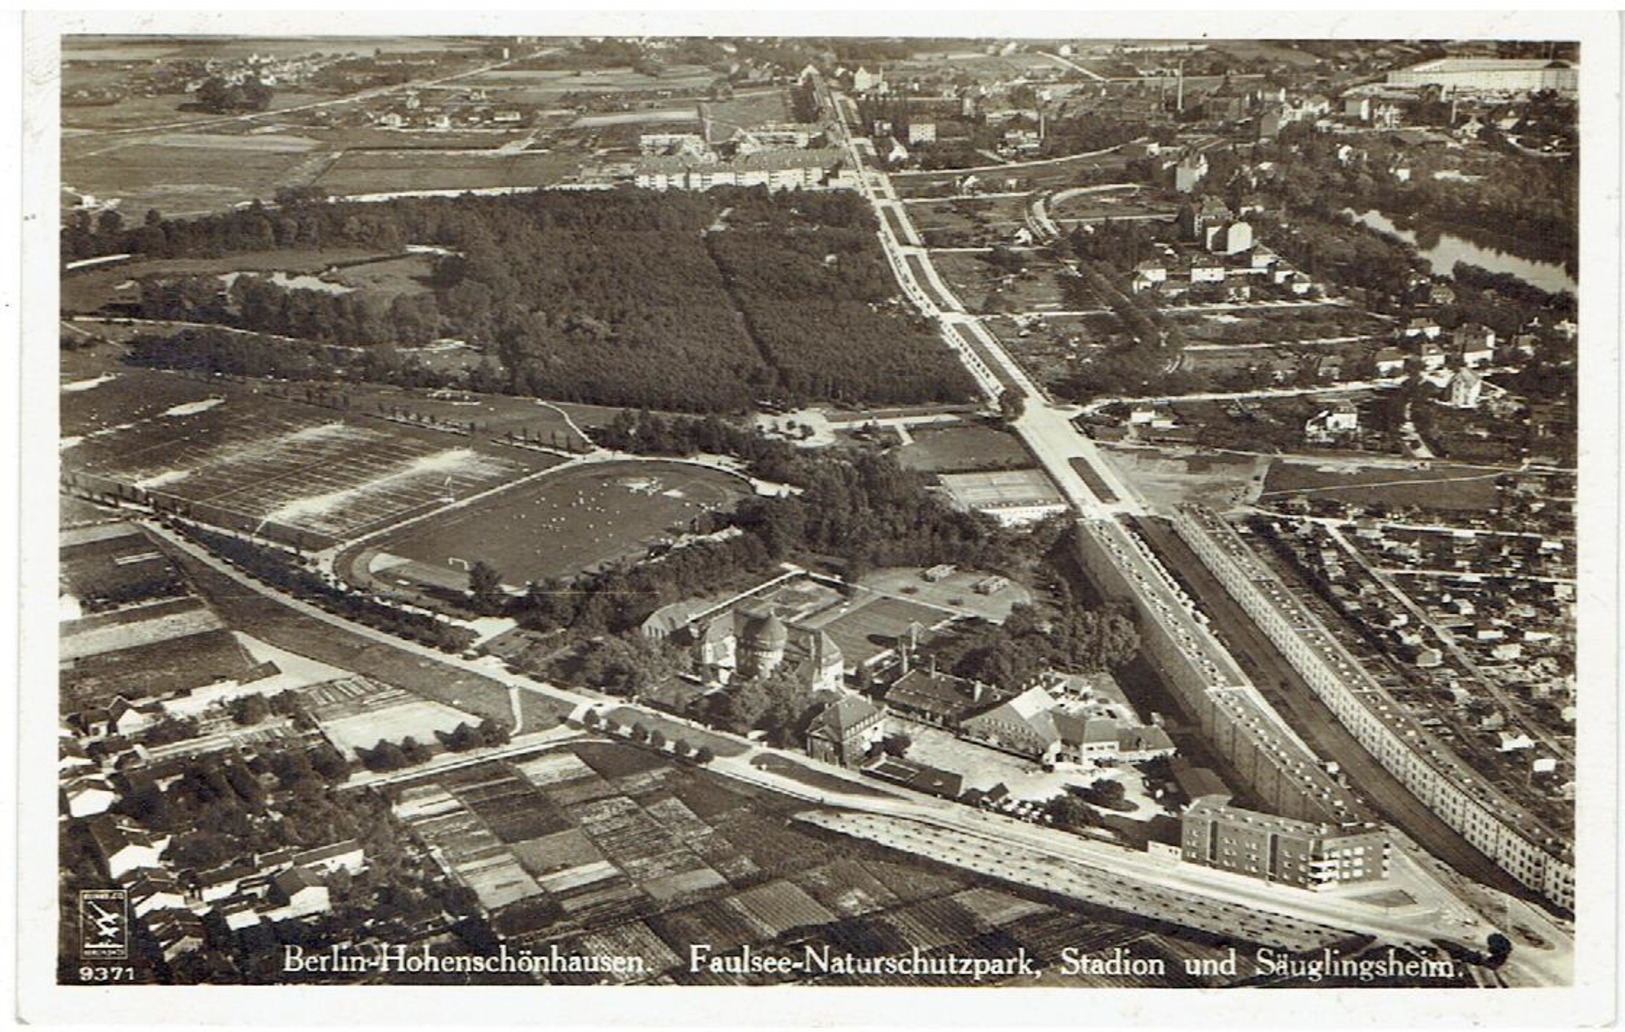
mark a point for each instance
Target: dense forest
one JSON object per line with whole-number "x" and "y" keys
{"x": 682, "y": 301}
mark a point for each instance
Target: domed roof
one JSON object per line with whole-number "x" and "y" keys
{"x": 764, "y": 631}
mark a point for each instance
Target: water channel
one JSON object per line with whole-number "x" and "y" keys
{"x": 1450, "y": 249}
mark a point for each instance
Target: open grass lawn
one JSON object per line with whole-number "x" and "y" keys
{"x": 89, "y": 289}
{"x": 389, "y": 278}
{"x": 957, "y": 449}
{"x": 574, "y": 521}
{"x": 495, "y": 414}
{"x": 1441, "y": 486}
{"x": 387, "y": 171}
{"x": 753, "y": 107}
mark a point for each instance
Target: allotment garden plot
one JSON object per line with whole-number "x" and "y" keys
{"x": 250, "y": 462}
{"x": 567, "y": 522}
{"x": 605, "y": 850}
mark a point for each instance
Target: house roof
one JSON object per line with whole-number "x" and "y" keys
{"x": 942, "y": 694}
{"x": 1142, "y": 738}
{"x": 1032, "y": 707}
{"x": 320, "y": 853}
{"x": 296, "y": 879}
{"x": 1197, "y": 782}
{"x": 840, "y": 717}
{"x": 761, "y": 629}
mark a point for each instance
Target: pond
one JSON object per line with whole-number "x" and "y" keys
{"x": 1451, "y": 249}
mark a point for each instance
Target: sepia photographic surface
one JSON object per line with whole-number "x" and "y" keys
{"x": 563, "y": 505}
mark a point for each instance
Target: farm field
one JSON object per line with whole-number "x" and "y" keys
{"x": 1108, "y": 205}
{"x": 153, "y": 669}
{"x": 959, "y": 449}
{"x": 604, "y": 847}
{"x": 968, "y": 221}
{"x": 1272, "y": 325}
{"x": 157, "y": 112}
{"x": 245, "y": 460}
{"x": 185, "y": 173}
{"x": 362, "y": 173}
{"x": 572, "y": 521}
{"x": 1439, "y": 486}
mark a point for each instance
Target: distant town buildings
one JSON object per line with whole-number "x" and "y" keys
{"x": 1490, "y": 75}
{"x": 779, "y": 169}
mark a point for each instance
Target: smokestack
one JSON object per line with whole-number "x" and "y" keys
{"x": 1179, "y": 96}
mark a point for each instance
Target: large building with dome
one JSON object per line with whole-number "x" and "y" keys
{"x": 753, "y": 641}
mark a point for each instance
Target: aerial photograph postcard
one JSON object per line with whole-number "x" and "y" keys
{"x": 898, "y": 512}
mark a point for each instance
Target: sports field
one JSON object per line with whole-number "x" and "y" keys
{"x": 1015, "y": 487}
{"x": 572, "y": 521}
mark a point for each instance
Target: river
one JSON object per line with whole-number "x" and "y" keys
{"x": 1451, "y": 249}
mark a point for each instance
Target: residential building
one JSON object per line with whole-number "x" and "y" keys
{"x": 125, "y": 846}
{"x": 1517, "y": 840}
{"x": 152, "y": 889}
{"x": 1465, "y": 389}
{"x": 1341, "y": 420}
{"x": 1304, "y": 854}
{"x": 87, "y": 796}
{"x": 177, "y": 932}
{"x": 1421, "y": 326}
{"x": 347, "y": 855}
{"x": 1188, "y": 171}
{"x": 304, "y": 892}
{"x": 1390, "y": 362}
{"x": 1475, "y": 343}
{"x": 1194, "y": 217}
{"x": 1431, "y": 355}
{"x": 845, "y": 731}
{"x": 1230, "y": 238}
{"x": 1205, "y": 270}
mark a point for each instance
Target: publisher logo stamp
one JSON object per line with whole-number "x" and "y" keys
{"x": 104, "y": 924}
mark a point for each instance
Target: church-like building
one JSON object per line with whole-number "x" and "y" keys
{"x": 752, "y": 641}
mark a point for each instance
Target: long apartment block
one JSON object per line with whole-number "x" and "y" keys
{"x": 1280, "y": 769}
{"x": 1509, "y": 834}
